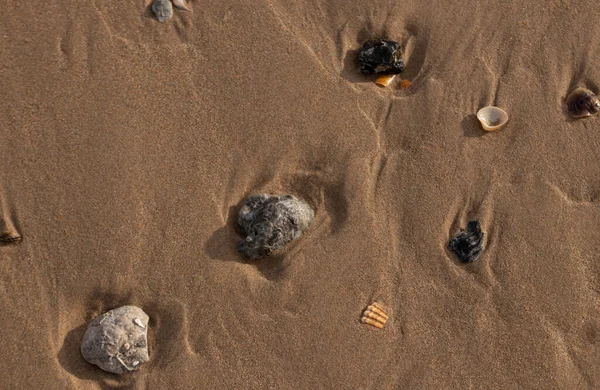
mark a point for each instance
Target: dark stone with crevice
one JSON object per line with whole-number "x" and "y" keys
{"x": 582, "y": 103}
{"x": 380, "y": 57}
{"x": 271, "y": 222}
{"x": 468, "y": 244}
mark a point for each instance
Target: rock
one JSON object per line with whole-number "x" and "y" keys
{"x": 380, "y": 56}
{"x": 270, "y": 222}
{"x": 468, "y": 244}
{"x": 163, "y": 9}
{"x": 116, "y": 340}
{"x": 582, "y": 103}
{"x": 10, "y": 236}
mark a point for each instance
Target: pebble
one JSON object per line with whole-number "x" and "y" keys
{"x": 582, "y": 103}
{"x": 381, "y": 56}
{"x": 116, "y": 341}
{"x": 468, "y": 244}
{"x": 269, "y": 222}
{"x": 163, "y": 9}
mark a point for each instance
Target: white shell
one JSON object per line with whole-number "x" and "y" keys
{"x": 492, "y": 118}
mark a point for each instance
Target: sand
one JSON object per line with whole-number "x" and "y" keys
{"x": 128, "y": 144}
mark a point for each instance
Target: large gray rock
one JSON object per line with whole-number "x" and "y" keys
{"x": 270, "y": 222}
{"x": 116, "y": 340}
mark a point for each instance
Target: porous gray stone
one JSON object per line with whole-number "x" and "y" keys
{"x": 163, "y": 9}
{"x": 116, "y": 340}
{"x": 270, "y": 222}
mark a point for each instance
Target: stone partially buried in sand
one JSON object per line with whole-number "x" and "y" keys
{"x": 270, "y": 222}
{"x": 10, "y": 237}
{"x": 468, "y": 244}
{"x": 582, "y": 103}
{"x": 380, "y": 57}
{"x": 163, "y": 9}
{"x": 116, "y": 340}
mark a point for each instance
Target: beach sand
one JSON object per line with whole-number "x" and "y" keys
{"x": 128, "y": 145}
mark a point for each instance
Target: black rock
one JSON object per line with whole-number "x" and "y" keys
{"x": 380, "y": 56}
{"x": 582, "y": 103}
{"x": 270, "y": 222}
{"x": 468, "y": 244}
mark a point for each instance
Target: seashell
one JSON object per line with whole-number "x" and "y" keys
{"x": 380, "y": 56}
{"x": 385, "y": 80}
{"x": 492, "y": 118}
{"x": 9, "y": 237}
{"x": 163, "y": 9}
{"x": 139, "y": 323}
{"x": 374, "y": 315}
{"x": 181, "y": 5}
{"x": 405, "y": 84}
{"x": 582, "y": 103}
{"x": 468, "y": 244}
{"x": 269, "y": 222}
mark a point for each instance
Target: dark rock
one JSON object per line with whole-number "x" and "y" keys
{"x": 582, "y": 103}
{"x": 116, "y": 340}
{"x": 270, "y": 222}
{"x": 468, "y": 244}
{"x": 10, "y": 236}
{"x": 381, "y": 56}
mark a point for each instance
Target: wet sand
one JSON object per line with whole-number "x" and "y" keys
{"x": 128, "y": 145}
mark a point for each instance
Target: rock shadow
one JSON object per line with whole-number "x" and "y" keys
{"x": 149, "y": 14}
{"x": 414, "y": 48}
{"x": 471, "y": 127}
{"x": 350, "y": 70}
{"x": 168, "y": 332}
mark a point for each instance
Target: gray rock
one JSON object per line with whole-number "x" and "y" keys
{"x": 270, "y": 222}
{"x": 116, "y": 340}
{"x": 163, "y": 9}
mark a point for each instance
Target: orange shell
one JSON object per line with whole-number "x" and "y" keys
{"x": 385, "y": 79}
{"x": 405, "y": 84}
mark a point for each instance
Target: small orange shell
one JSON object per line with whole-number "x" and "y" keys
{"x": 368, "y": 321}
{"x": 385, "y": 80}
{"x": 405, "y": 84}
{"x": 374, "y": 315}
{"x": 375, "y": 308}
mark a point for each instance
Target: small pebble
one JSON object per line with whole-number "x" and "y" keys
{"x": 468, "y": 244}
{"x": 270, "y": 222}
{"x": 10, "y": 236}
{"x": 115, "y": 342}
{"x": 163, "y": 9}
{"x": 582, "y": 103}
{"x": 380, "y": 56}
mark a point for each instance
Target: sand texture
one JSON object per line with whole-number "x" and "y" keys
{"x": 127, "y": 146}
